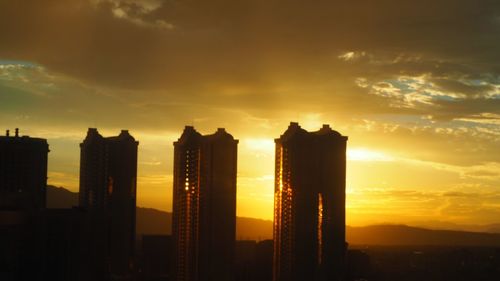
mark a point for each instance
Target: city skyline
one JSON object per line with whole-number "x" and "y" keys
{"x": 92, "y": 241}
{"x": 264, "y": 146}
{"x": 415, "y": 85}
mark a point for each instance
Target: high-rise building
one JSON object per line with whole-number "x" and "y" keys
{"x": 309, "y": 205}
{"x": 204, "y": 206}
{"x": 23, "y": 172}
{"x": 108, "y": 177}
{"x": 156, "y": 258}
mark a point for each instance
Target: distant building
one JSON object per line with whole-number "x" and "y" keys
{"x": 264, "y": 260}
{"x": 108, "y": 177}
{"x": 62, "y": 245}
{"x": 156, "y": 258}
{"x": 204, "y": 206}
{"x": 18, "y": 247}
{"x": 357, "y": 265}
{"x": 245, "y": 260}
{"x": 254, "y": 260}
{"x": 48, "y": 244}
{"x": 309, "y": 205}
{"x": 23, "y": 172}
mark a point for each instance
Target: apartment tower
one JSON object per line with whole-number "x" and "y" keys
{"x": 204, "y": 206}
{"x": 23, "y": 172}
{"x": 309, "y": 205}
{"x": 108, "y": 177}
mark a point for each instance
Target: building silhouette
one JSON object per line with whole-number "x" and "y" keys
{"x": 156, "y": 258}
{"x": 108, "y": 177}
{"x": 204, "y": 206}
{"x": 254, "y": 260}
{"x": 309, "y": 205}
{"x": 60, "y": 246}
{"x": 23, "y": 172}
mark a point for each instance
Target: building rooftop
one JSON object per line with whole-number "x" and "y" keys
{"x": 295, "y": 131}
{"x": 17, "y": 138}
{"x": 190, "y": 134}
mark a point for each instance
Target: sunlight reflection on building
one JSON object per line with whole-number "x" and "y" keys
{"x": 309, "y": 216}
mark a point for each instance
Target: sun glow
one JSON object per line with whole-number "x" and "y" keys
{"x": 259, "y": 145}
{"x": 363, "y": 154}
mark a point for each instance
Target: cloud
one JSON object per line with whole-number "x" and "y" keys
{"x": 241, "y": 40}
{"x": 482, "y": 118}
{"x": 264, "y": 57}
{"x": 135, "y": 11}
{"x": 351, "y": 56}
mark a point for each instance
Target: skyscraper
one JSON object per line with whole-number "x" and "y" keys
{"x": 108, "y": 176}
{"x": 309, "y": 205}
{"x": 23, "y": 180}
{"x": 23, "y": 172}
{"x": 204, "y": 206}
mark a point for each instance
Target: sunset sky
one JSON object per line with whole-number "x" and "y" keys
{"x": 414, "y": 84}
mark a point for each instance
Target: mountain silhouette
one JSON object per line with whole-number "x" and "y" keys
{"x": 403, "y": 235}
{"x": 152, "y": 221}
{"x": 59, "y": 197}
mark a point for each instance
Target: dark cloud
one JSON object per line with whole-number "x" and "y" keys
{"x": 242, "y": 42}
{"x": 461, "y": 88}
{"x": 466, "y": 107}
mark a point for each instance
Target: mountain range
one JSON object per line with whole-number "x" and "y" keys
{"x": 153, "y": 221}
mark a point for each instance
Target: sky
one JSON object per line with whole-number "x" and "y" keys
{"x": 414, "y": 84}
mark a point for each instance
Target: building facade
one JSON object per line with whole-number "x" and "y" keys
{"x": 108, "y": 178}
{"x": 204, "y": 206}
{"x": 23, "y": 172}
{"x": 309, "y": 205}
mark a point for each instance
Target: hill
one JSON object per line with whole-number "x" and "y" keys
{"x": 400, "y": 235}
{"x": 152, "y": 221}
{"x": 59, "y": 197}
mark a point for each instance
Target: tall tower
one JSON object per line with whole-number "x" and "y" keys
{"x": 204, "y": 206}
{"x": 108, "y": 177}
{"x": 23, "y": 172}
{"x": 309, "y": 205}
{"x": 93, "y": 171}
